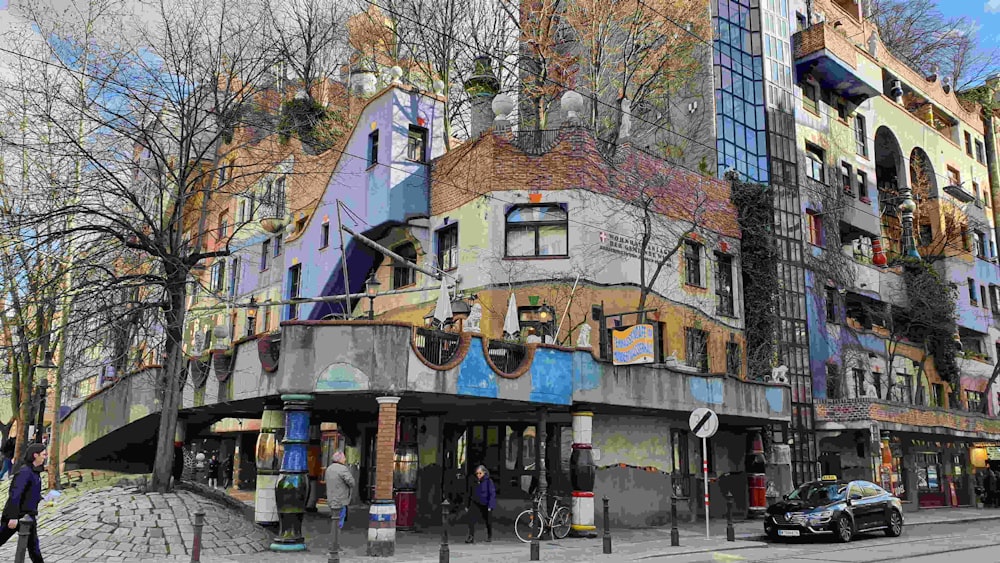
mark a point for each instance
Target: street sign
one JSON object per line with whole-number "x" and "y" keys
{"x": 704, "y": 422}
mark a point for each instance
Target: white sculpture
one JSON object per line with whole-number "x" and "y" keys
{"x": 779, "y": 374}
{"x": 475, "y": 315}
{"x": 870, "y": 390}
{"x": 583, "y": 340}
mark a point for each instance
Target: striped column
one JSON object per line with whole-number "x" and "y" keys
{"x": 271, "y": 423}
{"x": 382, "y": 515}
{"x": 582, "y": 474}
{"x": 292, "y": 490}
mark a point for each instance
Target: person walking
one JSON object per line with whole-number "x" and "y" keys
{"x": 339, "y": 488}
{"x": 482, "y": 501}
{"x": 987, "y": 487}
{"x": 213, "y": 472}
{"x": 227, "y": 472}
{"x": 25, "y": 494}
{"x": 995, "y": 489}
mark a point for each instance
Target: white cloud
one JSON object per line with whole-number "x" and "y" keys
{"x": 992, "y": 7}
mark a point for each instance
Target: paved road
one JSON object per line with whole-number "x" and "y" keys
{"x": 970, "y": 542}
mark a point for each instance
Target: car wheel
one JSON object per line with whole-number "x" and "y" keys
{"x": 895, "y": 525}
{"x": 845, "y": 530}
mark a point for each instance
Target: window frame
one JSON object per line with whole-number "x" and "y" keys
{"x": 692, "y": 263}
{"x": 699, "y": 359}
{"x": 725, "y": 299}
{"x": 444, "y": 235}
{"x": 734, "y": 359}
{"x": 535, "y": 226}
{"x": 265, "y": 254}
{"x": 276, "y": 247}
{"x": 294, "y": 289}
{"x": 815, "y": 163}
{"x": 810, "y": 97}
{"x": 860, "y": 136}
{"x": 373, "y": 143}
{"x": 980, "y": 152}
{"x": 324, "y": 235}
{"x": 968, "y": 143}
{"x": 403, "y": 273}
{"x": 817, "y": 234}
{"x": 419, "y": 133}
{"x": 218, "y": 276}
{"x": 862, "y": 179}
{"x": 847, "y": 177}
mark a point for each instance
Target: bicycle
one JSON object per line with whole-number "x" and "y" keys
{"x": 532, "y": 523}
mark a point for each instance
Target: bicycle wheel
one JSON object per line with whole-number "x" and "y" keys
{"x": 528, "y": 526}
{"x": 561, "y": 522}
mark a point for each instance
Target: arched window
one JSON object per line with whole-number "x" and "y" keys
{"x": 537, "y": 230}
{"x": 402, "y": 275}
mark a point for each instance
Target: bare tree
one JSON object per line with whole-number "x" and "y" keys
{"x": 311, "y": 38}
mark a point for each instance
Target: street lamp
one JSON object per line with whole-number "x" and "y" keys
{"x": 252, "y": 308}
{"x": 43, "y": 389}
{"x": 371, "y": 290}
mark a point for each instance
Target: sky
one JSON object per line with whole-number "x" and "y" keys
{"x": 985, "y": 12}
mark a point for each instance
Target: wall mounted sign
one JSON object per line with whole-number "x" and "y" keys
{"x": 632, "y": 345}
{"x": 631, "y": 247}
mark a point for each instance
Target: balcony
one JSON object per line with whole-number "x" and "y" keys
{"x": 857, "y": 414}
{"x": 830, "y": 58}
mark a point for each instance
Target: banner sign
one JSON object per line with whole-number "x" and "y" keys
{"x": 633, "y": 345}
{"x": 993, "y": 452}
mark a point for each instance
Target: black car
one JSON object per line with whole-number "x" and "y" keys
{"x": 834, "y": 506}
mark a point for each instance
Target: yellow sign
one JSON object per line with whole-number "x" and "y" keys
{"x": 828, "y": 478}
{"x": 632, "y": 345}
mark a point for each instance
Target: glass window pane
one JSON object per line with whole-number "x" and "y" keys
{"x": 552, "y": 241}
{"x": 520, "y": 241}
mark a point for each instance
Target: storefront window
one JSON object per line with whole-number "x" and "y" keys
{"x": 928, "y": 472}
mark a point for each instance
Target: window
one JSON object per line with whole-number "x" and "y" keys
{"x": 975, "y": 399}
{"x": 696, "y": 348}
{"x": 995, "y": 307}
{"x": 903, "y": 391}
{"x": 373, "y": 148}
{"x": 416, "y": 144}
{"x": 810, "y": 97}
{"x": 833, "y": 389}
{"x": 982, "y": 294}
{"x": 815, "y": 227}
{"x": 267, "y": 318}
{"x": 537, "y": 230}
{"x": 842, "y": 109}
{"x": 265, "y": 251}
{"x": 734, "y": 359}
{"x": 858, "y": 377}
{"x": 863, "y": 186}
{"x": 860, "y": 136}
{"x": 846, "y": 176}
{"x": 223, "y": 225}
{"x": 831, "y": 305}
{"x": 980, "y": 154}
{"x": 294, "y": 286}
{"x": 926, "y": 234}
{"x": 324, "y": 234}
{"x": 241, "y": 214}
{"x": 692, "y": 262}
{"x": 975, "y": 194}
{"x": 814, "y": 163}
{"x": 968, "y": 143}
{"x": 277, "y": 246}
{"x": 234, "y": 278}
{"x": 972, "y": 291}
{"x": 979, "y": 241}
{"x": 447, "y": 247}
{"x": 928, "y": 478}
{"x": 218, "y": 278}
{"x": 403, "y": 275}
{"x": 724, "y": 284}
{"x": 954, "y": 178}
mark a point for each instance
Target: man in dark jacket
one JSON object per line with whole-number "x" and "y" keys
{"x": 25, "y": 494}
{"x": 482, "y": 501}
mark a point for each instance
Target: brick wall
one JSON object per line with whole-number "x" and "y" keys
{"x": 873, "y": 409}
{"x": 385, "y": 450}
{"x": 493, "y": 163}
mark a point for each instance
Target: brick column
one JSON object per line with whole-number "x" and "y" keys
{"x": 382, "y": 515}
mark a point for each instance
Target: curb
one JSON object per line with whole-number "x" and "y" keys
{"x": 752, "y": 544}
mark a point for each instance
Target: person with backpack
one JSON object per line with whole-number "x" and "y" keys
{"x": 25, "y": 494}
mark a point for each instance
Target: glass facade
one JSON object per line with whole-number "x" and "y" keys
{"x": 756, "y": 137}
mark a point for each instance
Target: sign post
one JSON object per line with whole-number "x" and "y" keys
{"x": 704, "y": 423}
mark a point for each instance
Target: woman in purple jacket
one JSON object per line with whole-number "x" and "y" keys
{"x": 482, "y": 501}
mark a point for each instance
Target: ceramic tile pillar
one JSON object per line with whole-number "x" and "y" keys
{"x": 315, "y": 455}
{"x": 292, "y": 490}
{"x": 272, "y": 424}
{"x": 382, "y": 515}
{"x": 582, "y": 468}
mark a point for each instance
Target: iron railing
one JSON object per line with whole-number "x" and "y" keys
{"x": 506, "y": 356}
{"x": 436, "y": 346}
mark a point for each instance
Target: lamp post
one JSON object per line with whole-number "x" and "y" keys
{"x": 43, "y": 389}
{"x": 371, "y": 290}
{"x": 547, "y": 315}
{"x": 252, "y": 309}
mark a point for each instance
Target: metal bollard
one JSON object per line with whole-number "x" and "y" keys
{"x": 607, "y": 527}
{"x": 334, "y": 555}
{"x": 534, "y": 550}
{"x": 675, "y": 535}
{"x": 23, "y": 531}
{"x": 444, "y": 556}
{"x": 199, "y": 523}
{"x": 730, "y": 532}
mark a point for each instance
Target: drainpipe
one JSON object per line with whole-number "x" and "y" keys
{"x": 990, "y": 123}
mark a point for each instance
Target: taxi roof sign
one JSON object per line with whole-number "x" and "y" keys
{"x": 828, "y": 478}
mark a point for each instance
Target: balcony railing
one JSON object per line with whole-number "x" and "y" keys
{"x": 506, "y": 356}
{"x": 436, "y": 346}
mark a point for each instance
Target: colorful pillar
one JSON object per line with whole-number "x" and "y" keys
{"x": 292, "y": 489}
{"x": 582, "y": 473}
{"x": 272, "y": 423}
{"x": 382, "y": 515}
{"x": 315, "y": 463}
{"x": 756, "y": 467}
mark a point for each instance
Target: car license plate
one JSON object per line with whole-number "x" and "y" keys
{"x": 789, "y": 533}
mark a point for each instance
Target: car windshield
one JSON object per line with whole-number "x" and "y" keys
{"x": 820, "y": 493}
